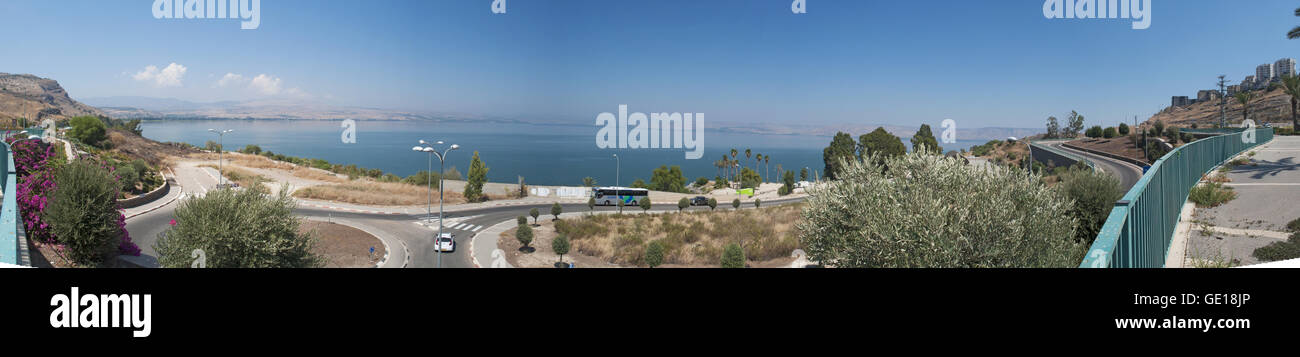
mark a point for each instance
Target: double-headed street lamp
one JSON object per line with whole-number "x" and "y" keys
{"x": 442, "y": 162}
{"x": 221, "y": 151}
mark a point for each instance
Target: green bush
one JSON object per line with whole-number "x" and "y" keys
{"x": 644, "y": 202}
{"x": 735, "y": 203}
{"x": 654, "y": 254}
{"x": 561, "y": 246}
{"x": 1124, "y": 129}
{"x": 683, "y": 203}
{"x": 82, "y": 213}
{"x": 733, "y": 256}
{"x": 89, "y": 130}
{"x": 534, "y": 212}
{"x": 525, "y": 235}
{"x": 127, "y": 178}
{"x": 1290, "y": 249}
{"x": 713, "y": 203}
{"x": 1094, "y": 194}
{"x": 1110, "y": 133}
{"x": 1211, "y": 194}
{"x": 926, "y": 211}
{"x": 238, "y": 229}
{"x": 522, "y": 220}
{"x": 701, "y": 181}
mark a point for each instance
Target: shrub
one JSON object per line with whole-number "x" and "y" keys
{"x": 1110, "y": 133}
{"x": 701, "y": 181}
{"x": 1124, "y": 129}
{"x": 925, "y": 211}
{"x": 1290, "y": 249}
{"x": 733, "y": 256}
{"x": 89, "y": 130}
{"x": 524, "y": 234}
{"x": 534, "y": 212}
{"x": 713, "y": 203}
{"x": 238, "y": 229}
{"x": 757, "y": 203}
{"x": 561, "y": 246}
{"x": 749, "y": 178}
{"x": 782, "y": 191}
{"x": 1211, "y": 194}
{"x": 654, "y": 254}
{"x": 83, "y": 213}
{"x": 1094, "y": 194}
{"x": 522, "y": 220}
{"x": 735, "y": 204}
{"x": 683, "y": 203}
{"x": 645, "y": 204}
{"x": 556, "y": 210}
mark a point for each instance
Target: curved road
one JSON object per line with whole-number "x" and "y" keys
{"x": 1127, "y": 173}
{"x": 402, "y": 232}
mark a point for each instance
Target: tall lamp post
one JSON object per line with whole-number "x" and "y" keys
{"x": 617, "y": 195}
{"x": 442, "y": 163}
{"x": 221, "y": 154}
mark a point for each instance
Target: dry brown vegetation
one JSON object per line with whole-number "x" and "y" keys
{"x": 370, "y": 192}
{"x": 244, "y": 178}
{"x": 690, "y": 238}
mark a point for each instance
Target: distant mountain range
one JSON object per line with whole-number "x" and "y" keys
{"x": 35, "y": 98}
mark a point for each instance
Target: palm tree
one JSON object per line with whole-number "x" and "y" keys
{"x": 759, "y": 158}
{"x": 1291, "y": 85}
{"x": 1245, "y": 98}
{"x": 767, "y": 160}
{"x": 1295, "y": 32}
{"x": 731, "y": 164}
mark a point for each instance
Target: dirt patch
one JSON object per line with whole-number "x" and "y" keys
{"x": 692, "y": 239}
{"x": 369, "y": 192}
{"x": 154, "y": 152}
{"x": 344, "y": 246}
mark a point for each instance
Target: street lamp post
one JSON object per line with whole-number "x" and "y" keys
{"x": 221, "y": 154}
{"x": 618, "y": 163}
{"x": 442, "y": 163}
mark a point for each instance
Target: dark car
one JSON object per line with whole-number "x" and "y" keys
{"x": 700, "y": 201}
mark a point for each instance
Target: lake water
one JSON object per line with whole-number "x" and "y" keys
{"x": 543, "y": 154}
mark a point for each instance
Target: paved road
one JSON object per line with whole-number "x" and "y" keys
{"x": 402, "y": 232}
{"x": 1128, "y": 174}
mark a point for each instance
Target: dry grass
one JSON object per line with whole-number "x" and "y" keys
{"x": 692, "y": 238}
{"x": 370, "y": 192}
{"x": 245, "y": 160}
{"x": 246, "y": 179}
{"x": 318, "y": 175}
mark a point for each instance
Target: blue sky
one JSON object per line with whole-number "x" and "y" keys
{"x": 981, "y": 63}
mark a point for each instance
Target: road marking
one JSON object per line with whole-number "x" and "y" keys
{"x": 476, "y": 228}
{"x": 1261, "y": 184}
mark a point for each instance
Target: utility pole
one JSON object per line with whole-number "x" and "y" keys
{"x": 1223, "y": 101}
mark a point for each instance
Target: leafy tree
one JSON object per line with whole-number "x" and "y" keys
{"x": 1159, "y": 129}
{"x": 524, "y": 234}
{"x": 735, "y": 204}
{"x": 1291, "y": 86}
{"x": 639, "y": 183}
{"x": 682, "y": 204}
{"x": 645, "y": 204}
{"x": 924, "y": 139}
{"x": 733, "y": 256}
{"x": 749, "y": 178}
{"x": 841, "y": 148}
{"x": 803, "y": 174}
{"x": 788, "y": 180}
{"x": 1245, "y": 98}
{"x": 701, "y": 182}
{"x": 654, "y": 254}
{"x": 82, "y": 213}
{"x": 1075, "y": 124}
{"x": 238, "y": 229}
{"x": 251, "y": 149}
{"x": 881, "y": 144}
{"x": 556, "y": 210}
{"x": 719, "y": 183}
{"x": 757, "y": 202}
{"x": 1053, "y": 128}
{"x": 1123, "y": 129}
{"x": 212, "y": 146}
{"x": 127, "y": 177}
{"x": 588, "y": 182}
{"x": 1110, "y": 132}
{"x": 927, "y": 211}
{"x": 713, "y": 203}
{"x": 668, "y": 179}
{"x": 1094, "y": 194}
{"x": 522, "y": 220}
{"x": 561, "y": 246}
{"x": 534, "y": 212}
{"x": 89, "y": 130}
{"x": 477, "y": 176}
{"x": 1094, "y": 132}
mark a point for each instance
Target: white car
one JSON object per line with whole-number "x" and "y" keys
{"x": 446, "y": 243}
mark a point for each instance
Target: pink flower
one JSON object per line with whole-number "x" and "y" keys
{"x": 173, "y": 222}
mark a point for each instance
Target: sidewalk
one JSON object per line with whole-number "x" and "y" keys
{"x": 1267, "y": 190}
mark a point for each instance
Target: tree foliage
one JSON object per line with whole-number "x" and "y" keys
{"x": 238, "y": 229}
{"x": 924, "y": 140}
{"x": 1094, "y": 194}
{"x": 841, "y": 148}
{"x": 881, "y": 145}
{"x": 928, "y": 211}
{"x": 668, "y": 179}
{"x": 89, "y": 130}
{"x": 83, "y": 214}
{"x": 733, "y": 256}
{"x": 654, "y": 254}
{"x": 477, "y": 177}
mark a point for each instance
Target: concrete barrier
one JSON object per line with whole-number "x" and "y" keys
{"x": 149, "y": 196}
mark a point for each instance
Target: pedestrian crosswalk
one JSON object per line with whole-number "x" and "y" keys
{"x": 461, "y": 227}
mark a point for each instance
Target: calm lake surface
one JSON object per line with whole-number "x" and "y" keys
{"x": 543, "y": 154}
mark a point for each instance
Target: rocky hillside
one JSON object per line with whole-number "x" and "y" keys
{"x": 1272, "y": 106}
{"x": 36, "y": 98}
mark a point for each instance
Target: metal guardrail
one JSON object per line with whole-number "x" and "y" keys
{"x": 10, "y": 220}
{"x": 1140, "y": 228}
{"x": 1062, "y": 152}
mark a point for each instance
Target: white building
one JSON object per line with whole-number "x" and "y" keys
{"x": 1284, "y": 67}
{"x": 1265, "y": 73}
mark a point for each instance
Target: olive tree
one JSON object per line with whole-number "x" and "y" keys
{"x": 534, "y": 212}
{"x": 645, "y": 204}
{"x": 82, "y": 213}
{"x": 682, "y": 204}
{"x": 713, "y": 203}
{"x": 924, "y": 211}
{"x": 561, "y": 246}
{"x": 556, "y": 210}
{"x": 238, "y": 229}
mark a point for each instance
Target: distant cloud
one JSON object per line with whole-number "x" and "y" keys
{"x": 167, "y": 77}
{"x": 231, "y": 79}
{"x": 266, "y": 85}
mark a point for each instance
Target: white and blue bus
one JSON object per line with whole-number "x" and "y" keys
{"x": 609, "y": 196}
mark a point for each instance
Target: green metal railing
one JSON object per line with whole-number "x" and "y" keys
{"x": 10, "y": 220}
{"x": 1140, "y": 228}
